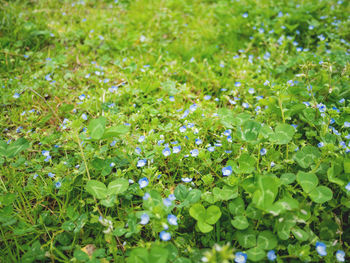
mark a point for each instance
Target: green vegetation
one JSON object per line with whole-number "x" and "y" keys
{"x": 174, "y": 131}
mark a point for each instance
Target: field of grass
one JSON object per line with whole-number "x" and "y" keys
{"x": 156, "y": 131}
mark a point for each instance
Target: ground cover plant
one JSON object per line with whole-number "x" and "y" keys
{"x": 174, "y": 131}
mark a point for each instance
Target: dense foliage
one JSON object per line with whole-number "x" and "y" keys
{"x": 174, "y": 131}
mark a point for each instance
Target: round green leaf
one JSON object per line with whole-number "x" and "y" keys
{"x": 267, "y": 240}
{"x": 308, "y": 181}
{"x": 212, "y": 215}
{"x": 118, "y": 186}
{"x": 287, "y": 178}
{"x": 256, "y": 254}
{"x": 283, "y": 134}
{"x": 300, "y": 234}
{"x": 97, "y": 128}
{"x": 204, "y": 227}
{"x": 236, "y": 207}
{"x": 197, "y": 211}
{"x": 246, "y": 238}
{"x": 240, "y": 222}
{"x": 97, "y": 189}
{"x": 321, "y": 194}
{"x": 307, "y": 156}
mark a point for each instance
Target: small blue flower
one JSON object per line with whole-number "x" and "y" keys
{"x": 251, "y": 91}
{"x": 165, "y": 236}
{"x": 82, "y": 97}
{"x": 245, "y": 105}
{"x": 198, "y": 141}
{"x": 194, "y": 152}
{"x": 186, "y": 180}
{"x": 172, "y": 219}
{"x": 172, "y": 197}
{"x": 271, "y": 255}
{"x": 112, "y": 164}
{"x": 320, "y": 145}
{"x": 211, "y": 148}
{"x": 113, "y": 143}
{"x": 166, "y": 152}
{"x": 141, "y": 163}
{"x": 144, "y": 219}
{"x": 167, "y": 202}
{"x": 84, "y": 116}
{"x": 183, "y": 128}
{"x": 272, "y": 164}
{"x": 143, "y": 182}
{"x": 342, "y": 101}
{"x": 346, "y": 124}
{"x": 240, "y": 257}
{"x": 35, "y": 176}
{"x": 141, "y": 139}
{"x": 347, "y": 187}
{"x": 58, "y": 184}
{"x": 176, "y": 149}
{"x": 160, "y": 142}
{"x": 245, "y": 15}
{"x": 226, "y": 171}
{"x": 51, "y": 175}
{"x": 138, "y": 150}
{"x": 146, "y": 196}
{"x": 321, "y": 107}
{"x": 207, "y": 97}
{"x": 263, "y": 151}
{"x": 237, "y": 84}
{"x": 321, "y": 249}
{"x": 171, "y": 98}
{"x": 340, "y": 255}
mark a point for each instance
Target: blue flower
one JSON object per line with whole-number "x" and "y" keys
{"x": 183, "y": 128}
{"x": 172, "y": 197}
{"x": 176, "y": 149}
{"x": 58, "y": 184}
{"x": 160, "y": 142}
{"x": 172, "y": 219}
{"x": 84, "y": 116}
{"x": 321, "y": 249}
{"x": 207, "y": 97}
{"x": 263, "y": 151}
{"x": 227, "y": 132}
{"x": 211, "y": 148}
{"x": 245, "y": 15}
{"x": 320, "y": 144}
{"x": 138, "y": 150}
{"x": 199, "y": 141}
{"x": 146, "y": 196}
{"x": 194, "y": 152}
{"x": 141, "y": 163}
{"x": 144, "y": 219}
{"x": 165, "y": 236}
{"x": 347, "y": 187}
{"x": 166, "y": 152}
{"x": 342, "y": 101}
{"x": 143, "y": 182}
{"x": 321, "y": 107}
{"x": 346, "y": 124}
{"x": 245, "y": 105}
{"x": 340, "y": 255}
{"x": 186, "y": 180}
{"x": 271, "y": 255}
{"x": 51, "y": 175}
{"x": 171, "y": 98}
{"x": 226, "y": 171}
{"x": 141, "y": 139}
{"x": 251, "y": 90}
{"x": 167, "y": 202}
{"x": 240, "y": 257}
{"x": 82, "y": 97}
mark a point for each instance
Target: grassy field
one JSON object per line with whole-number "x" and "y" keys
{"x": 174, "y": 131}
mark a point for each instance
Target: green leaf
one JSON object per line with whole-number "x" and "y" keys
{"x": 246, "y": 164}
{"x": 308, "y": 181}
{"x": 226, "y": 193}
{"x": 332, "y": 177}
{"x": 97, "y": 189}
{"x": 158, "y": 255}
{"x": 283, "y": 134}
{"x": 181, "y": 192}
{"x": 116, "y": 131}
{"x": 287, "y": 178}
{"x": 240, "y": 222}
{"x": 138, "y": 255}
{"x": 307, "y": 156}
{"x": 197, "y": 211}
{"x": 236, "y": 207}
{"x": 321, "y": 194}
{"x": 246, "y": 238}
{"x": 3, "y": 148}
{"x": 204, "y": 227}
{"x": 300, "y": 234}
{"x": 267, "y": 240}
{"x": 16, "y": 147}
{"x": 212, "y": 214}
{"x": 267, "y": 192}
{"x": 193, "y": 196}
{"x": 256, "y": 254}
{"x": 250, "y": 131}
{"x": 347, "y": 166}
{"x": 97, "y": 128}
{"x": 118, "y": 186}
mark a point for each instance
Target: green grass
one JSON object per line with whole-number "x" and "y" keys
{"x": 52, "y": 52}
